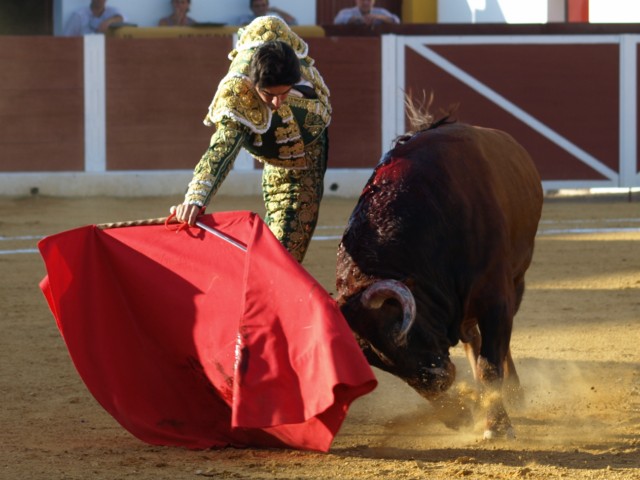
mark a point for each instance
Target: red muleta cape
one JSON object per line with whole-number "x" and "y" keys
{"x": 186, "y": 340}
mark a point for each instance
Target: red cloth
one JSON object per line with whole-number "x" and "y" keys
{"x": 187, "y": 340}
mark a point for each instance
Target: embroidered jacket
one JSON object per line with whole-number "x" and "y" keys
{"x": 242, "y": 119}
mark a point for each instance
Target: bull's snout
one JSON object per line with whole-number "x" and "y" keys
{"x": 432, "y": 380}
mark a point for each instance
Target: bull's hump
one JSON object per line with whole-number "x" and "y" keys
{"x": 394, "y": 170}
{"x": 446, "y": 135}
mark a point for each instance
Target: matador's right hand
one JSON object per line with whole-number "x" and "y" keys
{"x": 186, "y": 213}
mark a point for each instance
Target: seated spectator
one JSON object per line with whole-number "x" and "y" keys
{"x": 260, "y": 8}
{"x": 96, "y": 18}
{"x": 179, "y": 16}
{"x": 364, "y": 13}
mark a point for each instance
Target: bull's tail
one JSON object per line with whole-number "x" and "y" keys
{"x": 421, "y": 119}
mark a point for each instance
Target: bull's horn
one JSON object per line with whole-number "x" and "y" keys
{"x": 377, "y": 293}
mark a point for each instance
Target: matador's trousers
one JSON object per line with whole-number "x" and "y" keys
{"x": 292, "y": 198}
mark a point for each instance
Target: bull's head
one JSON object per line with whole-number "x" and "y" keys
{"x": 384, "y": 317}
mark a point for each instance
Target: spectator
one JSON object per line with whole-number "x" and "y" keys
{"x": 96, "y": 18}
{"x": 364, "y": 13}
{"x": 273, "y": 103}
{"x": 179, "y": 16}
{"x": 260, "y": 8}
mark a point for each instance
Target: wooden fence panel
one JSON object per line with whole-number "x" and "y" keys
{"x": 41, "y": 104}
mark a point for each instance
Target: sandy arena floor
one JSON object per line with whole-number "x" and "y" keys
{"x": 575, "y": 344}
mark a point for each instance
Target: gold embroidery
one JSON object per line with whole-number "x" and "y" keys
{"x": 266, "y": 29}
{"x": 285, "y": 112}
{"x": 318, "y": 114}
{"x": 215, "y": 164}
{"x": 237, "y": 100}
{"x": 291, "y": 151}
{"x": 314, "y": 124}
{"x": 287, "y": 133}
{"x": 293, "y": 163}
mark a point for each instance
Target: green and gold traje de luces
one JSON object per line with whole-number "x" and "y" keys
{"x": 292, "y": 141}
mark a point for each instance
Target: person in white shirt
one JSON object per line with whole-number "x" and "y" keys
{"x": 180, "y": 16}
{"x": 364, "y": 13}
{"x": 260, "y": 8}
{"x": 95, "y": 18}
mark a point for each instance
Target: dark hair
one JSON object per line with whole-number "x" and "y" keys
{"x": 274, "y": 63}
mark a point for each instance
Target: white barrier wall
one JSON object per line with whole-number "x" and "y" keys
{"x": 533, "y": 11}
{"x": 559, "y": 129}
{"x": 620, "y": 172}
{"x": 146, "y": 13}
{"x": 501, "y": 11}
{"x": 614, "y": 11}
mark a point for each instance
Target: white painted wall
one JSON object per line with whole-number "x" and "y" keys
{"x": 614, "y": 11}
{"x": 146, "y": 13}
{"x": 500, "y": 11}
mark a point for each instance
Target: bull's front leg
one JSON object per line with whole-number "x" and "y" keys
{"x": 472, "y": 343}
{"x": 495, "y": 310}
{"x": 498, "y": 423}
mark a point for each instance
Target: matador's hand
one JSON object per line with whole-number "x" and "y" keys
{"x": 186, "y": 213}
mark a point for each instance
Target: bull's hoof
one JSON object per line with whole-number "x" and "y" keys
{"x": 508, "y": 434}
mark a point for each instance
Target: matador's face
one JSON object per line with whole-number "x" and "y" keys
{"x": 274, "y": 96}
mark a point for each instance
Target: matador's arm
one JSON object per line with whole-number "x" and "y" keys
{"x": 216, "y": 163}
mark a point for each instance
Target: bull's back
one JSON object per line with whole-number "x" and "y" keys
{"x": 468, "y": 193}
{"x": 485, "y": 171}
{"x": 513, "y": 177}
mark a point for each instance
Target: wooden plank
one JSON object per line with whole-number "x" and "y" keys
{"x": 41, "y": 104}
{"x": 351, "y": 68}
{"x": 158, "y": 91}
{"x": 548, "y": 84}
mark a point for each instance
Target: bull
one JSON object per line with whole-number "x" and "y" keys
{"x": 435, "y": 253}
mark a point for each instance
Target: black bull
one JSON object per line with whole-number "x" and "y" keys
{"x": 435, "y": 252}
